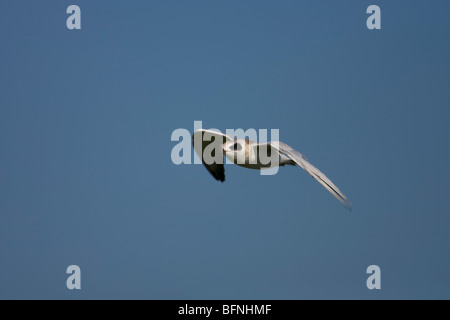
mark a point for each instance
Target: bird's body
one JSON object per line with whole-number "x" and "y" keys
{"x": 211, "y": 146}
{"x": 248, "y": 157}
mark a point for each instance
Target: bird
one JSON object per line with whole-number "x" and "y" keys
{"x": 212, "y": 145}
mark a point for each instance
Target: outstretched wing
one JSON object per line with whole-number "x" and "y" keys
{"x": 212, "y": 141}
{"x": 299, "y": 159}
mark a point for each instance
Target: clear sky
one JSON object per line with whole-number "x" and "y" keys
{"x": 86, "y": 176}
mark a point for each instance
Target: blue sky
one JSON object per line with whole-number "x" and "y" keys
{"x": 86, "y": 177}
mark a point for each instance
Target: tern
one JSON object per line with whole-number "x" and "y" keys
{"x": 248, "y": 154}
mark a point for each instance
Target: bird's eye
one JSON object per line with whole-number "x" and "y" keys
{"x": 237, "y": 146}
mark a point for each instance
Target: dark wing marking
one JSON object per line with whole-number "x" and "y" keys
{"x": 201, "y": 139}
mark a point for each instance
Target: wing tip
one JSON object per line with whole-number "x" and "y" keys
{"x": 347, "y": 204}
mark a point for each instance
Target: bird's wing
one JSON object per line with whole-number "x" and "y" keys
{"x": 212, "y": 140}
{"x": 301, "y": 160}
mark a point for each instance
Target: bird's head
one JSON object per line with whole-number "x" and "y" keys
{"x": 236, "y": 150}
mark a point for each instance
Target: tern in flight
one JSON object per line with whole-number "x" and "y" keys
{"x": 248, "y": 154}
